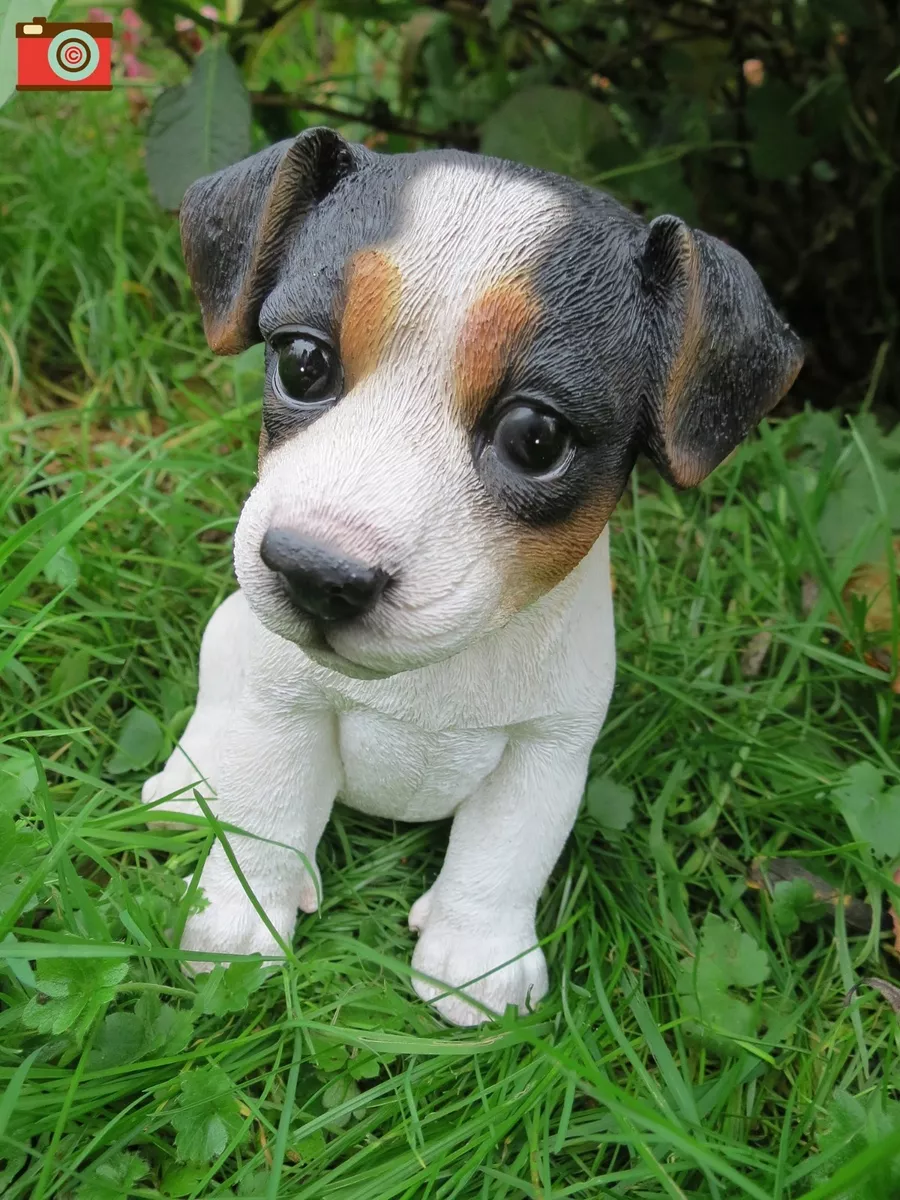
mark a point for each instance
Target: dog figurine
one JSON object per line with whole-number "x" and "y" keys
{"x": 464, "y": 357}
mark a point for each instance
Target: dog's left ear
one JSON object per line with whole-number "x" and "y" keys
{"x": 236, "y": 223}
{"x": 718, "y": 356}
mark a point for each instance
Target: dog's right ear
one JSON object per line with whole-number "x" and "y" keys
{"x": 236, "y": 223}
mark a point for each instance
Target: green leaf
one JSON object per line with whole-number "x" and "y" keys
{"x": 727, "y": 958}
{"x": 852, "y": 508}
{"x": 330, "y": 1055}
{"x": 140, "y": 741}
{"x": 364, "y": 1065}
{"x": 184, "y": 1181}
{"x": 659, "y": 189}
{"x": 62, "y": 569}
{"x": 73, "y": 670}
{"x": 198, "y": 127}
{"x": 549, "y": 127}
{"x": 119, "y": 1040}
{"x": 778, "y": 150}
{"x": 167, "y": 1030}
{"x": 609, "y": 803}
{"x": 309, "y": 1147}
{"x": 153, "y": 1028}
{"x": 71, "y": 991}
{"x": 851, "y": 1125}
{"x": 698, "y": 66}
{"x": 793, "y": 901}
{"x": 17, "y": 852}
{"x": 254, "y": 1186}
{"x": 20, "y": 968}
{"x": 18, "y": 781}
{"x": 228, "y": 989}
{"x": 208, "y": 1117}
{"x": 498, "y": 12}
{"x": 343, "y": 1089}
{"x": 872, "y": 813}
{"x": 114, "y": 1178}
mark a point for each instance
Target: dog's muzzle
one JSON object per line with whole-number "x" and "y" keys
{"x": 320, "y": 581}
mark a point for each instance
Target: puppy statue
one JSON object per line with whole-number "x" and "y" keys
{"x": 463, "y": 359}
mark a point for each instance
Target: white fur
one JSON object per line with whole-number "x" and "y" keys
{"x": 442, "y": 701}
{"x": 499, "y": 735}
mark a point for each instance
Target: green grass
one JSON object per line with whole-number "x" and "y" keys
{"x": 125, "y": 453}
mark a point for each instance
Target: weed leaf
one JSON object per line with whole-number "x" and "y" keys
{"x": 71, "y": 991}
{"x": 872, "y": 813}
{"x": 208, "y": 1117}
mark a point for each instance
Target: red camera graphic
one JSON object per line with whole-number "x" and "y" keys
{"x": 55, "y": 57}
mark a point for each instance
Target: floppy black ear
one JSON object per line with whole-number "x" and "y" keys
{"x": 236, "y": 223}
{"x": 718, "y": 355}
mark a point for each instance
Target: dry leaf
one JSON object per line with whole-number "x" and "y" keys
{"x": 895, "y": 920}
{"x": 809, "y": 594}
{"x": 755, "y": 652}
{"x": 890, "y": 991}
{"x": 766, "y": 872}
{"x": 871, "y": 583}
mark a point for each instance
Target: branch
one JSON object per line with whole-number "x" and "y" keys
{"x": 381, "y": 119}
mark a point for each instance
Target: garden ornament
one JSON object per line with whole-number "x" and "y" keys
{"x": 464, "y": 357}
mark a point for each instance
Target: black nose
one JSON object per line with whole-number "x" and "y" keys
{"x": 321, "y": 582}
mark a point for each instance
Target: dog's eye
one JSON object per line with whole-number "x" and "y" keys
{"x": 532, "y": 439}
{"x": 308, "y": 369}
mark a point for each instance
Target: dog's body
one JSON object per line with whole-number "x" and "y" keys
{"x": 464, "y": 359}
{"x": 499, "y": 735}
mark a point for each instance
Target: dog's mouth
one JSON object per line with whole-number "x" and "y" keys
{"x": 317, "y": 647}
{"x": 312, "y": 638}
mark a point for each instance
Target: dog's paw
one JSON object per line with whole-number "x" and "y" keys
{"x": 481, "y": 967}
{"x": 420, "y": 912}
{"x": 178, "y": 776}
{"x": 233, "y": 926}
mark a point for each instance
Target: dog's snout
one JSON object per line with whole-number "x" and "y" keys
{"x": 320, "y": 581}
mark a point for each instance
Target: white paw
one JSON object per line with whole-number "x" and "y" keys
{"x": 420, "y": 912}
{"x": 233, "y": 926}
{"x": 474, "y": 964}
{"x": 177, "y": 776}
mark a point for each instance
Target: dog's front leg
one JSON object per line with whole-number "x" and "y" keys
{"x": 278, "y": 780}
{"x": 480, "y": 913}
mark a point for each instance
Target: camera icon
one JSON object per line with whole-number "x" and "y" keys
{"x": 54, "y": 56}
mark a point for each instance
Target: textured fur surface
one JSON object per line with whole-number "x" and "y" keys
{"x": 450, "y": 286}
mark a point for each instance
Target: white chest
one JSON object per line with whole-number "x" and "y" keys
{"x": 394, "y": 769}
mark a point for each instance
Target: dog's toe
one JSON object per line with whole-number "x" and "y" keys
{"x": 235, "y": 927}
{"x": 496, "y": 971}
{"x": 420, "y": 912}
{"x": 173, "y": 789}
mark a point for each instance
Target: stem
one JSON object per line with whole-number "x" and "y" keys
{"x": 384, "y": 121}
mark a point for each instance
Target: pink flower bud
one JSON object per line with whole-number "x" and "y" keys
{"x": 754, "y": 72}
{"x": 133, "y": 68}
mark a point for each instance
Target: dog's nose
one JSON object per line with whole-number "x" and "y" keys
{"x": 321, "y": 582}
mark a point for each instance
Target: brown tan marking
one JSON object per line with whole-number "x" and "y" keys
{"x": 370, "y": 312}
{"x": 686, "y": 471}
{"x": 543, "y": 557}
{"x": 497, "y": 324}
{"x": 263, "y": 448}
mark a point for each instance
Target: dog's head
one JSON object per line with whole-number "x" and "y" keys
{"x": 464, "y": 358}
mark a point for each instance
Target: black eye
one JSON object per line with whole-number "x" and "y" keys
{"x": 531, "y": 439}
{"x": 308, "y": 369}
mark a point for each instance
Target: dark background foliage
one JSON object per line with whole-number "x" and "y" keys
{"x": 771, "y": 123}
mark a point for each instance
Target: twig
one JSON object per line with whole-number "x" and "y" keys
{"x": 383, "y": 120}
